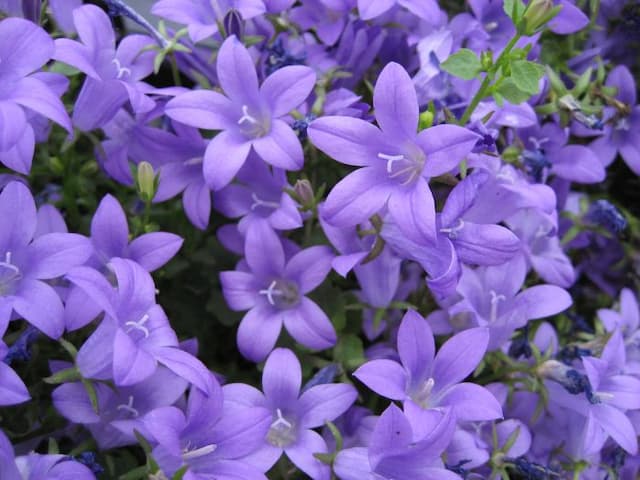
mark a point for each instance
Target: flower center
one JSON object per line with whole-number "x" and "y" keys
{"x": 139, "y": 326}
{"x": 252, "y": 126}
{"x": 121, "y": 72}
{"x": 535, "y": 162}
{"x": 622, "y": 124}
{"x": 9, "y": 275}
{"x": 495, "y": 300}
{"x": 128, "y": 408}
{"x": 402, "y": 168}
{"x": 281, "y": 294}
{"x": 282, "y": 432}
{"x": 423, "y": 394}
{"x": 258, "y": 202}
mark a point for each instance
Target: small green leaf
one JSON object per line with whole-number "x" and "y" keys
{"x": 511, "y": 93}
{"x": 64, "y": 376}
{"x": 582, "y": 83}
{"x": 349, "y": 352}
{"x": 526, "y": 75}
{"x": 514, "y": 9}
{"x": 464, "y": 64}
{"x": 93, "y": 395}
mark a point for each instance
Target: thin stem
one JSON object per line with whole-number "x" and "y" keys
{"x": 121, "y": 8}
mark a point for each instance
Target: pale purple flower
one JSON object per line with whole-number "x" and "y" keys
{"x": 26, "y": 48}
{"x": 249, "y": 116}
{"x": 626, "y": 319}
{"x": 425, "y": 380}
{"x": 114, "y": 76}
{"x": 293, "y": 415}
{"x": 397, "y": 160}
{"x": 425, "y": 9}
{"x": 273, "y": 288}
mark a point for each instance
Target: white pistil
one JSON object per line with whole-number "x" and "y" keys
{"x": 538, "y": 142}
{"x": 128, "y": 407}
{"x": 258, "y": 202}
{"x": 7, "y": 264}
{"x": 490, "y": 26}
{"x": 390, "y": 159}
{"x": 139, "y": 325}
{"x": 280, "y": 421}
{"x": 623, "y": 124}
{"x": 246, "y": 116}
{"x": 495, "y": 299}
{"x": 122, "y": 71}
{"x": 198, "y": 452}
{"x": 270, "y": 292}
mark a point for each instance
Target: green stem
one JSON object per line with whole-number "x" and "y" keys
{"x": 486, "y": 83}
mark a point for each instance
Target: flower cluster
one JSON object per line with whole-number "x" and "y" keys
{"x": 437, "y": 201}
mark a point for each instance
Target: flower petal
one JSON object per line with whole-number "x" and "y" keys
{"x": 459, "y": 356}
{"x": 396, "y": 103}
{"x": 385, "y": 377}
{"x": 225, "y": 155}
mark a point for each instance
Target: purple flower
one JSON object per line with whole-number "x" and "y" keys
{"x": 293, "y": 416}
{"x": 24, "y": 49}
{"x": 38, "y": 467}
{"x": 113, "y": 75}
{"x": 12, "y": 389}
{"x": 397, "y": 160}
{"x": 209, "y": 440}
{"x": 426, "y": 9}
{"x": 250, "y": 117}
{"x": 627, "y": 320}
{"x": 203, "y": 17}
{"x": 397, "y": 453}
{"x": 490, "y": 298}
{"x": 273, "y": 289}
{"x": 26, "y": 263}
{"x": 135, "y": 334}
{"x": 425, "y": 381}
{"x": 327, "y": 17}
{"x": 121, "y": 410}
{"x": 619, "y": 131}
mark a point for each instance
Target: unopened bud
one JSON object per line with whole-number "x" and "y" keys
{"x": 233, "y": 24}
{"x": 304, "y": 192}
{"x": 146, "y": 181}
{"x": 426, "y": 120}
{"x": 537, "y": 15}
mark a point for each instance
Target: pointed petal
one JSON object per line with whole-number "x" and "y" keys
{"x": 36, "y": 95}
{"x": 12, "y": 388}
{"x": 485, "y": 244}
{"x": 544, "y": 300}
{"x": 324, "y": 403}
{"x": 396, "y": 103}
{"x": 617, "y": 425}
{"x": 25, "y": 47}
{"x": 414, "y": 211}
{"x": 282, "y": 377}
{"x": 94, "y": 28}
{"x": 445, "y": 146}
{"x": 225, "y": 155}
{"x": 368, "y": 9}
{"x": 154, "y": 250}
{"x": 301, "y": 453}
{"x": 416, "y": 345}
{"x": 54, "y": 254}
{"x": 131, "y": 364}
{"x": 40, "y": 305}
{"x": 17, "y": 230}
{"x": 471, "y": 402}
{"x": 109, "y": 228}
{"x": 287, "y": 88}
{"x": 202, "y": 109}
{"x": 459, "y": 356}
{"x": 97, "y": 103}
{"x": 309, "y": 325}
{"x": 263, "y": 250}
{"x": 237, "y": 72}
{"x": 280, "y": 147}
{"x": 185, "y": 366}
{"x": 578, "y": 164}
{"x": 309, "y": 267}
{"x": 348, "y": 140}
{"x": 570, "y": 19}
{"x": 258, "y": 333}
{"x": 385, "y": 377}
{"x": 239, "y": 289}
{"x": 13, "y": 123}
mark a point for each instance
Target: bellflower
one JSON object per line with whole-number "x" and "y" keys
{"x": 627, "y": 320}
{"x": 38, "y": 467}
{"x": 424, "y": 380}
{"x": 113, "y": 75}
{"x": 609, "y": 395}
{"x": 397, "y": 161}
{"x": 25, "y": 48}
{"x": 327, "y": 17}
{"x": 293, "y": 415}
{"x": 121, "y": 410}
{"x": 259, "y": 195}
{"x": 273, "y": 289}
{"x": 202, "y": 17}
{"x": 250, "y": 117}
{"x": 27, "y": 263}
{"x": 207, "y": 439}
{"x": 490, "y": 298}
{"x": 135, "y": 334}
{"x": 619, "y": 131}
{"x": 425, "y": 9}
{"x": 397, "y": 453}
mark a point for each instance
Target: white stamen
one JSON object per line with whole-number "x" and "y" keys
{"x": 453, "y": 231}
{"x": 623, "y": 124}
{"x": 129, "y": 407}
{"x": 495, "y": 299}
{"x": 490, "y": 26}
{"x": 246, "y": 117}
{"x": 258, "y": 202}
{"x": 280, "y": 421}
{"x": 7, "y": 264}
{"x": 139, "y": 325}
{"x": 122, "y": 71}
{"x": 199, "y": 452}
{"x": 538, "y": 142}
{"x": 390, "y": 159}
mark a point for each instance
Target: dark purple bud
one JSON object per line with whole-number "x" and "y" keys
{"x": 21, "y": 348}
{"x": 233, "y": 24}
{"x": 31, "y": 10}
{"x": 304, "y": 191}
{"x": 605, "y": 214}
{"x": 324, "y": 375}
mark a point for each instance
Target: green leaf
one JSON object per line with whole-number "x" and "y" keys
{"x": 349, "y": 352}
{"x": 464, "y": 64}
{"x": 526, "y": 75}
{"x": 64, "y": 376}
{"x": 511, "y": 93}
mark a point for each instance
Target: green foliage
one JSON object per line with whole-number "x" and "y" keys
{"x": 464, "y": 64}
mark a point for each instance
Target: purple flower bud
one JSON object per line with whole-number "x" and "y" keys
{"x": 233, "y": 24}
{"x": 605, "y": 214}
